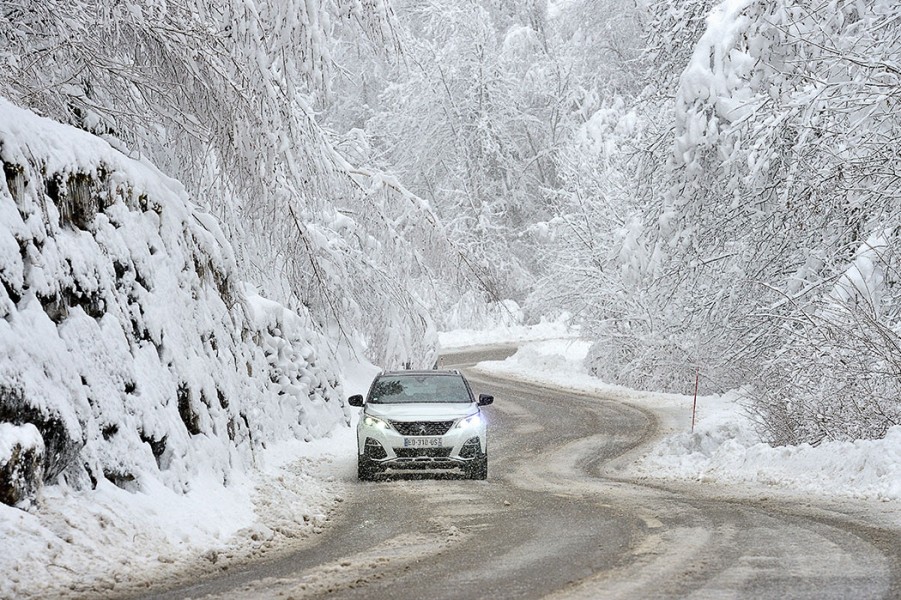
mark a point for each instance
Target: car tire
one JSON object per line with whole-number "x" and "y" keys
{"x": 478, "y": 469}
{"x": 366, "y": 471}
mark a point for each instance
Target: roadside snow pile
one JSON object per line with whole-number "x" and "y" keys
{"x": 509, "y": 330}
{"x": 724, "y": 446}
{"x": 728, "y": 452}
{"x": 109, "y": 542}
{"x": 560, "y": 363}
{"x": 130, "y": 353}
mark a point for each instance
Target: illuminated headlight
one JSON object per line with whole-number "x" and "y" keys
{"x": 473, "y": 421}
{"x": 375, "y": 423}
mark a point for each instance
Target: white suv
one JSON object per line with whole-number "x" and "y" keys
{"x": 421, "y": 420}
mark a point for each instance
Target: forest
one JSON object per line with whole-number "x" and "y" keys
{"x": 705, "y": 187}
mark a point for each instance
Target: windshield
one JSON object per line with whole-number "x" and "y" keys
{"x": 407, "y": 389}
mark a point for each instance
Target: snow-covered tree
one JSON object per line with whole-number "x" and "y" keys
{"x": 475, "y": 111}
{"x": 220, "y": 95}
{"x": 783, "y": 184}
{"x": 750, "y": 226}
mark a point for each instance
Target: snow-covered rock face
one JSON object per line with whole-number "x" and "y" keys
{"x": 21, "y": 462}
{"x": 125, "y": 337}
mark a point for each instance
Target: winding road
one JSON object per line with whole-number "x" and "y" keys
{"x": 557, "y": 519}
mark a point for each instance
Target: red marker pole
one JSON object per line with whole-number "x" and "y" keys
{"x": 694, "y": 407}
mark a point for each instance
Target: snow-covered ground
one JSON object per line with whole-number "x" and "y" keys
{"x": 107, "y": 538}
{"x": 557, "y": 329}
{"x": 99, "y": 539}
{"x": 724, "y": 446}
{"x": 110, "y": 537}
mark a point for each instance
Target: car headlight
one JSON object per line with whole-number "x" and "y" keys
{"x": 375, "y": 422}
{"x": 470, "y": 422}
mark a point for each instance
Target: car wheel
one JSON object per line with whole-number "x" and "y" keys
{"x": 478, "y": 469}
{"x": 366, "y": 471}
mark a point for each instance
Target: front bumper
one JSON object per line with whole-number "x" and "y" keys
{"x": 387, "y": 448}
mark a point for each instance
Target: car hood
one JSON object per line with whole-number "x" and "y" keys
{"x": 423, "y": 412}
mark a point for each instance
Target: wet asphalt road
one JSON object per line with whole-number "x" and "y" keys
{"x": 554, "y": 519}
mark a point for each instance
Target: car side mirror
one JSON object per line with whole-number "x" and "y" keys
{"x": 485, "y": 399}
{"x": 355, "y": 400}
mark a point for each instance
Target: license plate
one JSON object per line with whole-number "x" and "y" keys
{"x": 422, "y": 442}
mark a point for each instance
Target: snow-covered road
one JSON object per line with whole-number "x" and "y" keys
{"x": 561, "y": 517}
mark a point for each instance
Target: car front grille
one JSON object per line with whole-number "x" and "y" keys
{"x": 422, "y": 452}
{"x": 422, "y": 427}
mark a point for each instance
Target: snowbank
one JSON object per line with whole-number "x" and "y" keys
{"x": 86, "y": 542}
{"x": 728, "y": 452}
{"x": 724, "y": 446}
{"x": 510, "y": 330}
